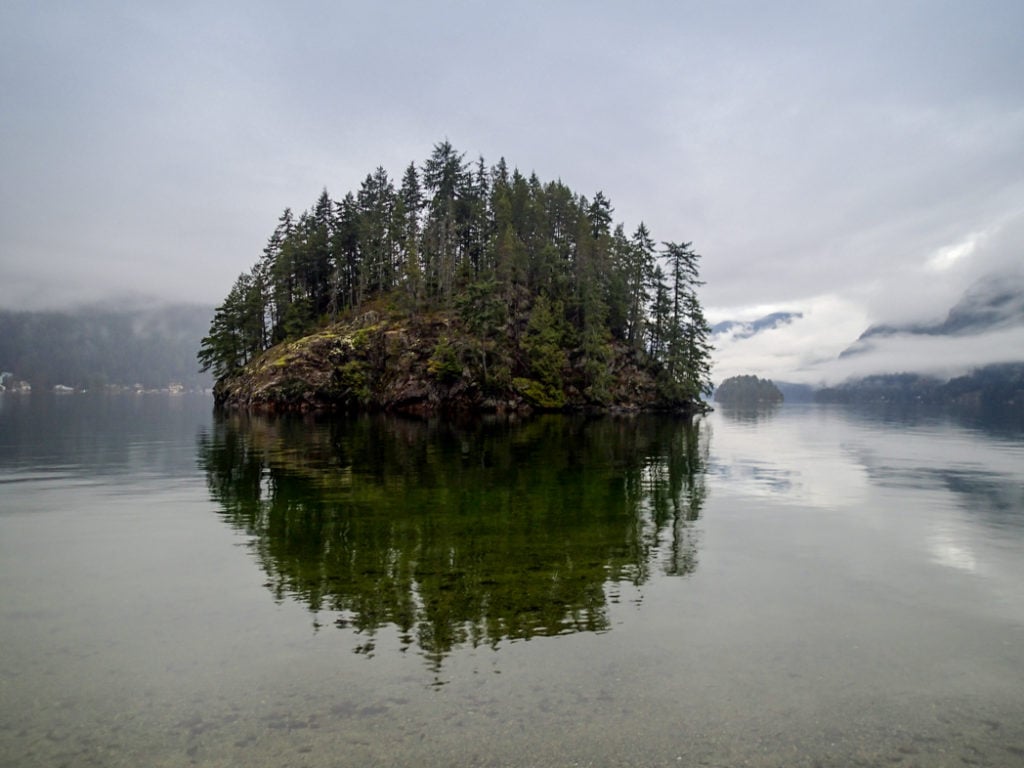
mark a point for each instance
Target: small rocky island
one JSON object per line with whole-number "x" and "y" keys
{"x": 466, "y": 288}
{"x": 748, "y": 391}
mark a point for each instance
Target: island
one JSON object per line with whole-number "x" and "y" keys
{"x": 748, "y": 391}
{"x": 467, "y": 288}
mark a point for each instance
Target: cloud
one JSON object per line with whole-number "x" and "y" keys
{"x": 830, "y": 342}
{"x": 824, "y": 328}
{"x": 940, "y": 356}
{"x": 812, "y": 357}
{"x": 948, "y": 256}
{"x": 805, "y": 151}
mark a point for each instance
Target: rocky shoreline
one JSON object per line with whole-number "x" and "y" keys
{"x": 375, "y": 363}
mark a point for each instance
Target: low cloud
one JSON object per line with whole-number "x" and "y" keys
{"x": 826, "y": 326}
{"x": 801, "y": 356}
{"x": 808, "y": 350}
{"x": 941, "y": 356}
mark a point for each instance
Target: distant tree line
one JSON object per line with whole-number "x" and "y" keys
{"x": 998, "y": 385}
{"x": 92, "y": 348}
{"x": 534, "y": 271}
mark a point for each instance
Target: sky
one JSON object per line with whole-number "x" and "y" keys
{"x": 856, "y": 162}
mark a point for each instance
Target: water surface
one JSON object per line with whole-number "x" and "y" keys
{"x": 804, "y": 586}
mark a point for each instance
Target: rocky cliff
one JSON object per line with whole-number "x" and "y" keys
{"x": 425, "y": 365}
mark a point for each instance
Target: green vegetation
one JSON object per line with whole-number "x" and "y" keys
{"x": 459, "y": 533}
{"x": 537, "y": 289}
{"x": 747, "y": 390}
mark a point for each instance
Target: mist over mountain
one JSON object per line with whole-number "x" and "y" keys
{"x": 796, "y": 393}
{"x": 993, "y": 303}
{"x": 96, "y": 346}
{"x": 999, "y": 386}
{"x": 972, "y": 354}
{"x": 973, "y": 357}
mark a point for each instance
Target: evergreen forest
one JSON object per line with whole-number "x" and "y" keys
{"x": 541, "y": 278}
{"x": 747, "y": 390}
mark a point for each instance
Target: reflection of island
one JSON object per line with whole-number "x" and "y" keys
{"x": 459, "y": 535}
{"x": 751, "y": 413}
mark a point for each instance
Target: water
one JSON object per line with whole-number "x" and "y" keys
{"x": 804, "y": 586}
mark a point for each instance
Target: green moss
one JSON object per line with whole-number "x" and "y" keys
{"x": 353, "y": 380}
{"x": 540, "y": 395}
{"x": 444, "y": 364}
{"x": 361, "y": 338}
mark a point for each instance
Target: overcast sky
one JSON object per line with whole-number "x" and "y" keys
{"x": 858, "y": 162}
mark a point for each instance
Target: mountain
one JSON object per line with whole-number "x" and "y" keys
{"x": 993, "y": 303}
{"x": 993, "y": 386}
{"x": 795, "y": 393}
{"x": 740, "y": 329}
{"x": 95, "y": 346}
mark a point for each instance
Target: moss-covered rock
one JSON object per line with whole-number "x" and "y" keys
{"x": 428, "y": 364}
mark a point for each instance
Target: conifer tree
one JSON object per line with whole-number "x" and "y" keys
{"x": 236, "y": 332}
{"x": 661, "y": 315}
{"x": 640, "y": 271}
{"x": 347, "y": 251}
{"x": 407, "y": 215}
{"x": 444, "y": 176}
{"x": 376, "y": 203}
{"x": 688, "y": 349}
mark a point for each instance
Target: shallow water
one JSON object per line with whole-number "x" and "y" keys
{"x": 807, "y": 586}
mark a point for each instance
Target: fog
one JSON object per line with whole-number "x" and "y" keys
{"x": 859, "y": 164}
{"x": 961, "y": 275}
{"x": 940, "y": 356}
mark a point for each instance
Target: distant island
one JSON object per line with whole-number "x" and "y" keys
{"x": 464, "y": 288}
{"x": 747, "y": 390}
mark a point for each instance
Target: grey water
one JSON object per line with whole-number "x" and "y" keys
{"x": 804, "y": 586}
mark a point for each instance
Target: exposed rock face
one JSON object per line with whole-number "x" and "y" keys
{"x": 416, "y": 366}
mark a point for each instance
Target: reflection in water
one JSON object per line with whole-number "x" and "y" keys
{"x": 939, "y": 484}
{"x": 839, "y": 457}
{"x": 459, "y": 534}
{"x": 751, "y": 413}
{"x": 99, "y": 435}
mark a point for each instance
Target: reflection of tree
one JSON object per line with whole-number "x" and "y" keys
{"x": 459, "y": 534}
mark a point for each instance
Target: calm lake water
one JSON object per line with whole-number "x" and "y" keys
{"x": 807, "y": 586}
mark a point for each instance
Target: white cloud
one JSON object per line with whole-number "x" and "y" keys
{"x": 794, "y": 351}
{"x": 831, "y": 156}
{"x": 946, "y": 257}
{"x": 940, "y": 356}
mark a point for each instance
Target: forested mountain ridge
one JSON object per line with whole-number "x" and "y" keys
{"x": 94, "y": 347}
{"x": 473, "y": 286}
{"x": 994, "y": 386}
